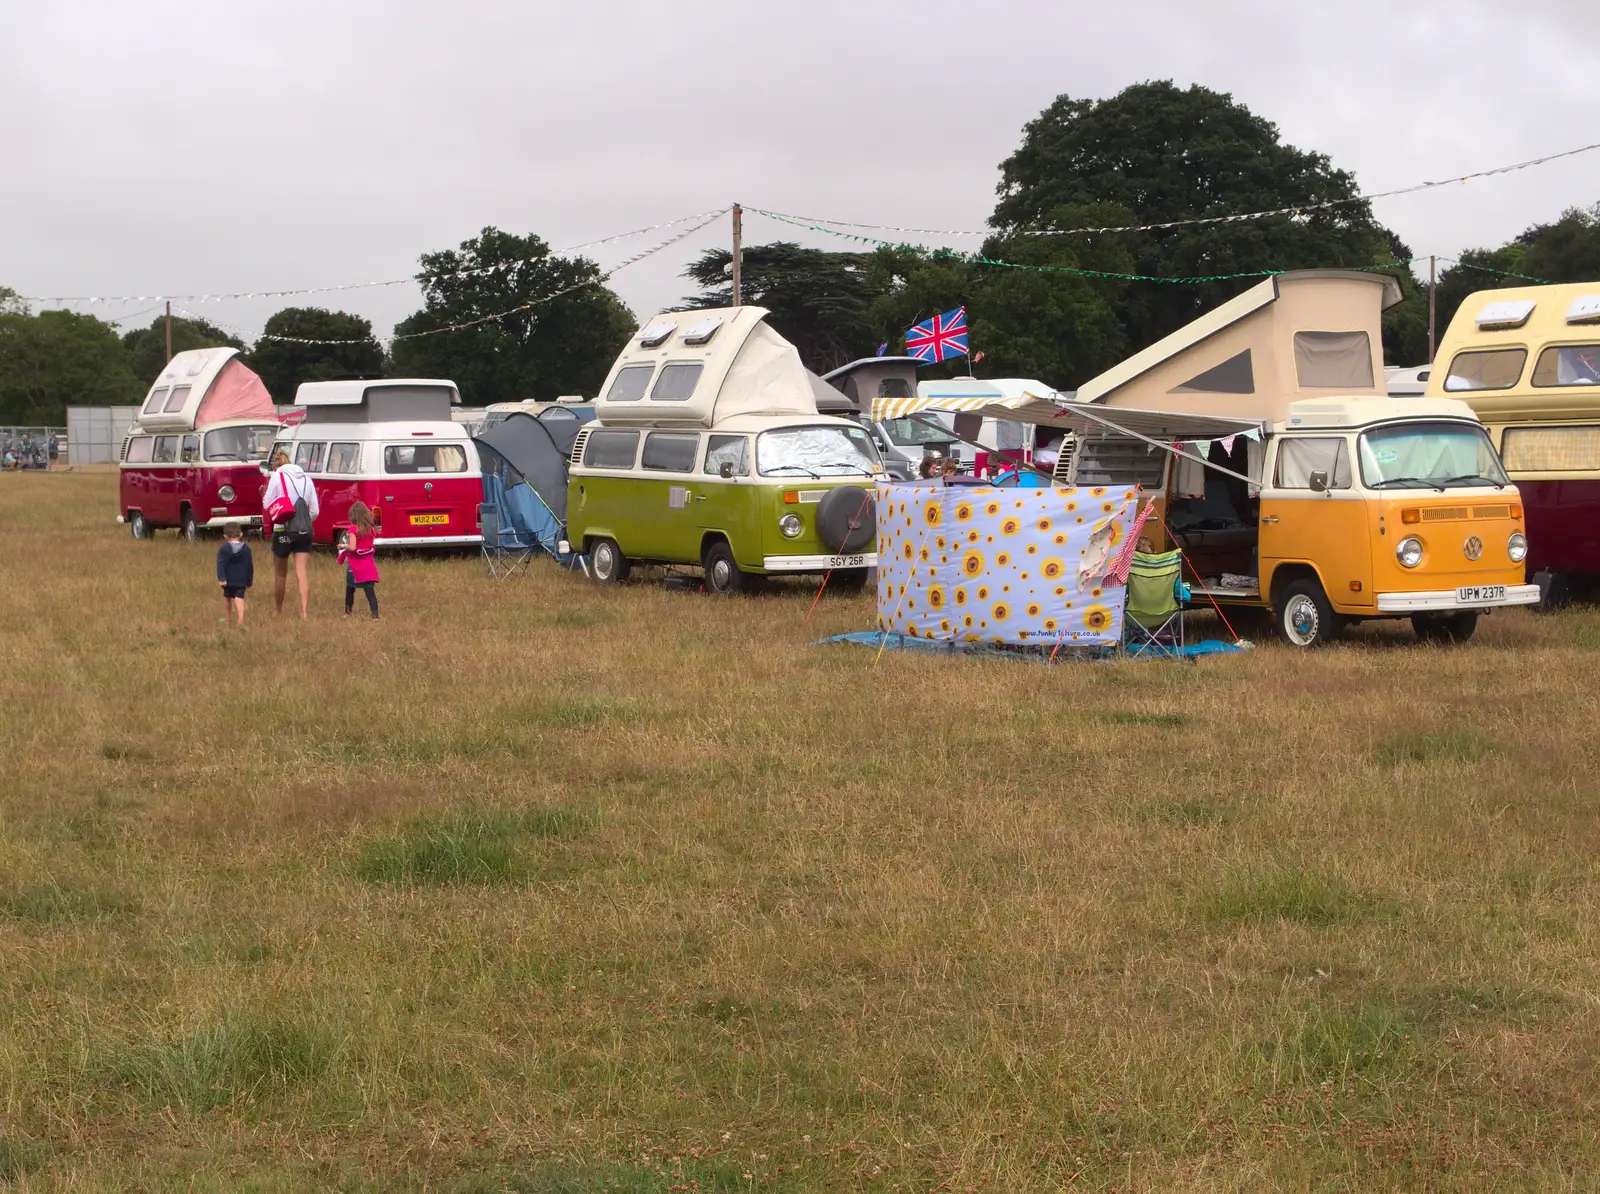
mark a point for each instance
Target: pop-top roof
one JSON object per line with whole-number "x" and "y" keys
{"x": 697, "y": 368}
{"x": 353, "y": 393}
{"x": 204, "y": 386}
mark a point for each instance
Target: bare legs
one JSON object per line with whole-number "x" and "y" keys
{"x": 280, "y": 582}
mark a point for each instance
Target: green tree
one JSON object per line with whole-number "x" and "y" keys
{"x": 55, "y": 359}
{"x": 547, "y": 325}
{"x": 284, "y": 363}
{"x": 1156, "y": 152}
{"x": 11, "y": 302}
{"x": 819, "y": 300}
{"x": 147, "y": 347}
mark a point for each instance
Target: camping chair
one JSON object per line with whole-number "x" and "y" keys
{"x": 1153, "y": 614}
{"x": 505, "y": 552}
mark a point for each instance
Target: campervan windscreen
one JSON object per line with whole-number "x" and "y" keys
{"x": 1429, "y": 456}
{"x": 239, "y": 443}
{"x": 816, "y": 452}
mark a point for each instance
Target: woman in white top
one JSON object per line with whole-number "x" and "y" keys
{"x": 289, "y": 481}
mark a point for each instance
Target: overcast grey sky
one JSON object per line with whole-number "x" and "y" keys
{"x": 180, "y": 147}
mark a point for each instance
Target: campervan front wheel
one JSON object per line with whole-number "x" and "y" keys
{"x": 1303, "y": 616}
{"x": 607, "y": 564}
{"x": 723, "y": 575}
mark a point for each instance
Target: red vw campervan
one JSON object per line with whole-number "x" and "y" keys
{"x": 393, "y": 445}
{"x": 193, "y": 459}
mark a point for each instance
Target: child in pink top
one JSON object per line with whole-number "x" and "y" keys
{"x": 356, "y": 554}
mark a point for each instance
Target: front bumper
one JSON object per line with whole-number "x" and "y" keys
{"x": 222, "y": 520}
{"x": 431, "y": 541}
{"x": 1447, "y": 600}
{"x": 866, "y": 559}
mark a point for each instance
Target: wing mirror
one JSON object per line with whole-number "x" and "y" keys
{"x": 725, "y": 470}
{"x": 1319, "y": 482}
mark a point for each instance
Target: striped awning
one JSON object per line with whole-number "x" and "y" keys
{"x": 1080, "y": 418}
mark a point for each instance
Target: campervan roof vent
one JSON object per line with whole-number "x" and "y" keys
{"x": 1585, "y": 309}
{"x": 701, "y": 333}
{"x": 577, "y": 444}
{"x": 1511, "y": 313}
{"x": 656, "y": 334}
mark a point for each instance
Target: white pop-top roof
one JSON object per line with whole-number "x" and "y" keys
{"x": 1358, "y": 412}
{"x": 177, "y": 393}
{"x": 698, "y": 368}
{"x": 353, "y": 393}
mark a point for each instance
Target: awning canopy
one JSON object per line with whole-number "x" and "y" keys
{"x": 1081, "y": 418}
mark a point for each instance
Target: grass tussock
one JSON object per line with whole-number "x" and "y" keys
{"x": 466, "y": 847}
{"x": 238, "y": 1059}
{"x": 1291, "y": 894}
{"x": 1448, "y": 746}
{"x": 1266, "y": 921}
{"x": 50, "y": 903}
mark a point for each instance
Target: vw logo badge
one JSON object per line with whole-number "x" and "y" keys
{"x": 1473, "y": 547}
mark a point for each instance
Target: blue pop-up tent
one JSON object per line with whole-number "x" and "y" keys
{"x": 525, "y": 475}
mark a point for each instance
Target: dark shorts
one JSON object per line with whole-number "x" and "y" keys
{"x": 285, "y": 544}
{"x": 233, "y": 591}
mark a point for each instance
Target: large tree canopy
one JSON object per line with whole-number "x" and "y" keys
{"x": 284, "y": 363}
{"x": 147, "y": 347}
{"x": 1157, "y": 152}
{"x": 563, "y": 331}
{"x": 57, "y": 359}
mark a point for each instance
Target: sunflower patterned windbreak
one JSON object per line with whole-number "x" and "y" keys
{"x": 1000, "y": 565}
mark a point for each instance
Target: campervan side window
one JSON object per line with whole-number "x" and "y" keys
{"x": 239, "y": 443}
{"x": 893, "y": 387}
{"x": 191, "y": 449}
{"x": 309, "y": 456}
{"x": 630, "y": 384}
{"x": 1551, "y": 449}
{"x": 166, "y": 449}
{"x": 677, "y": 381}
{"x": 139, "y": 449}
{"x": 1299, "y": 458}
{"x": 611, "y": 449}
{"x": 1485, "y": 369}
{"x": 155, "y": 402}
{"x": 424, "y": 458}
{"x": 729, "y": 449}
{"x": 1568, "y": 365}
{"x": 344, "y": 458}
{"x": 670, "y": 451}
{"x": 175, "y": 400}
{"x": 1120, "y": 460}
{"x": 1333, "y": 360}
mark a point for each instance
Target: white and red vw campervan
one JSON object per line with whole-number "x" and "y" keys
{"x": 393, "y": 445}
{"x": 193, "y": 459}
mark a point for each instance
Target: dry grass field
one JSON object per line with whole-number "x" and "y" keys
{"x": 539, "y": 888}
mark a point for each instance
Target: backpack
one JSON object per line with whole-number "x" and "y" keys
{"x": 300, "y": 524}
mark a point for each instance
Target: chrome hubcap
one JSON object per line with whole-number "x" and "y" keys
{"x": 1300, "y": 620}
{"x": 603, "y": 563}
{"x": 720, "y": 574}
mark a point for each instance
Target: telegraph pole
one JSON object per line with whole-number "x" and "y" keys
{"x": 1432, "y": 307}
{"x": 169, "y": 331}
{"x": 738, "y": 252}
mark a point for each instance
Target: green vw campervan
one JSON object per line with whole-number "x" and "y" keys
{"x": 707, "y": 449}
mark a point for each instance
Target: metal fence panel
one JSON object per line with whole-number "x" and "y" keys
{"x": 94, "y": 433}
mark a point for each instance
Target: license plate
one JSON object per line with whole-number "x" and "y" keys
{"x": 1478, "y": 594}
{"x": 847, "y": 562}
{"x": 429, "y": 520}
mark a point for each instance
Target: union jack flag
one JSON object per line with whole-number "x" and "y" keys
{"x": 938, "y": 338}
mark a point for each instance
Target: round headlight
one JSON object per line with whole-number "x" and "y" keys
{"x": 226, "y": 493}
{"x": 791, "y": 526}
{"x": 1409, "y": 553}
{"x": 1517, "y": 547}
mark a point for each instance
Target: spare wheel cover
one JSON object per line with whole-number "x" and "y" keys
{"x": 838, "y": 510}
